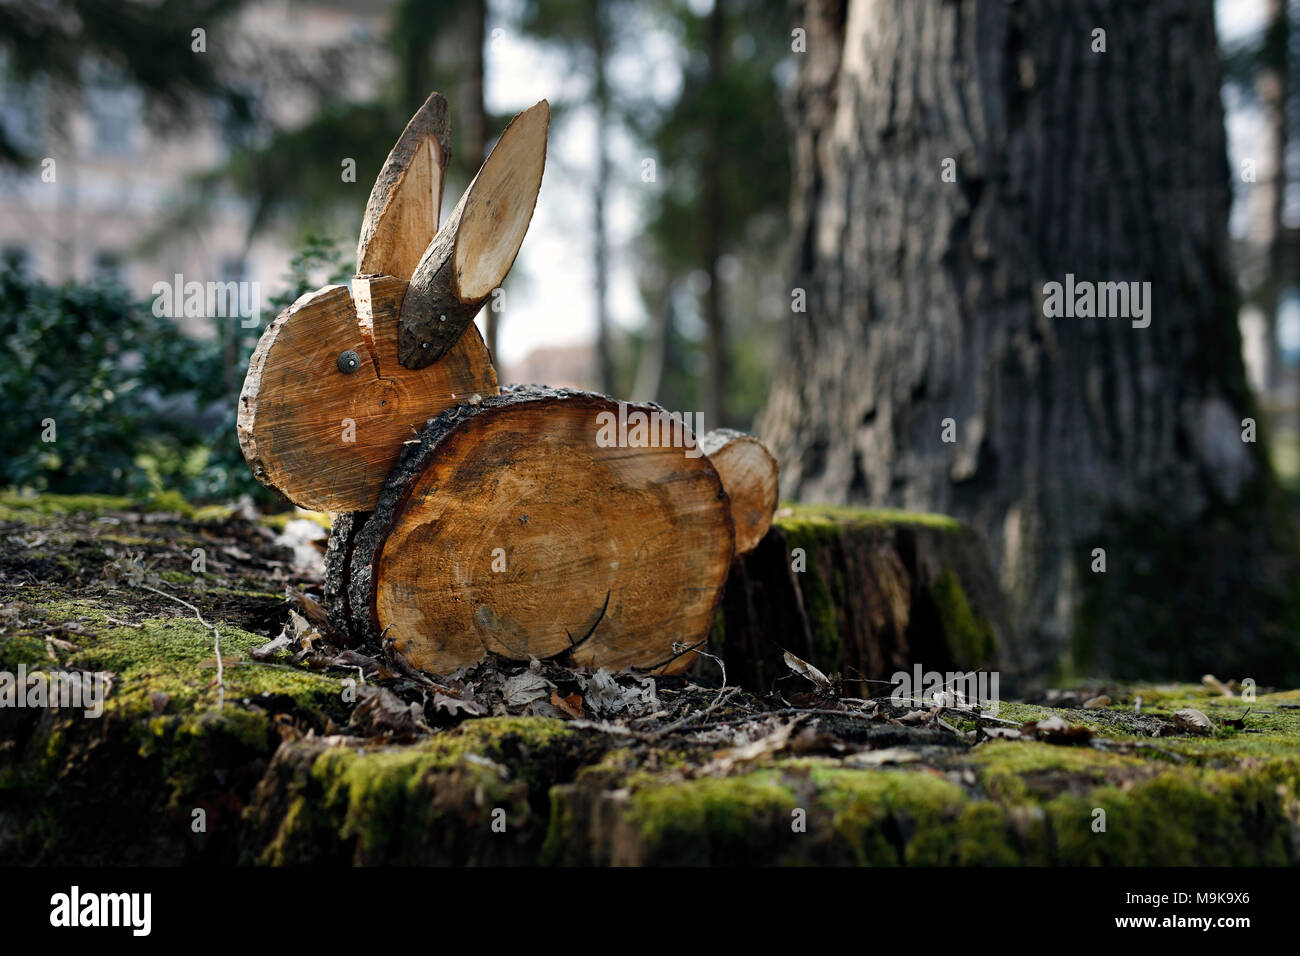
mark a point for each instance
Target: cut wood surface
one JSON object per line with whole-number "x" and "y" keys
{"x": 402, "y": 213}
{"x": 749, "y": 475}
{"x": 324, "y": 428}
{"x": 508, "y": 529}
{"x": 477, "y": 245}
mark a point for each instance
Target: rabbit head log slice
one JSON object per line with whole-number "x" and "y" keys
{"x": 341, "y": 380}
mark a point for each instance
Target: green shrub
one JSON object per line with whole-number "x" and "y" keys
{"x": 134, "y": 405}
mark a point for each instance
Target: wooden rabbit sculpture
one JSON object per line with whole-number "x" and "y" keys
{"x": 525, "y": 522}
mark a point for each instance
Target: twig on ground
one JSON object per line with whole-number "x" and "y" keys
{"x": 216, "y": 642}
{"x": 718, "y": 701}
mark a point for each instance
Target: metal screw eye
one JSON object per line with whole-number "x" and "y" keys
{"x": 349, "y": 362}
{"x": 442, "y": 318}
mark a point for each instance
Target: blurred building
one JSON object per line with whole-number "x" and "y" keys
{"x": 563, "y": 366}
{"x": 107, "y": 180}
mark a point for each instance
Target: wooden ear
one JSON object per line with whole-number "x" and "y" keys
{"x": 402, "y": 213}
{"x": 471, "y": 254}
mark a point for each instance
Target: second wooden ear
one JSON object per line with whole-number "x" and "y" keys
{"x": 475, "y": 248}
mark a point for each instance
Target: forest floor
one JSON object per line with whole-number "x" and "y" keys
{"x": 305, "y": 751}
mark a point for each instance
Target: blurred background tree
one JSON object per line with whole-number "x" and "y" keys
{"x": 718, "y": 221}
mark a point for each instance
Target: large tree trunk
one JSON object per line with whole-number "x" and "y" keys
{"x": 925, "y": 301}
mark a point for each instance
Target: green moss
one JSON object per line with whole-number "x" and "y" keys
{"x": 189, "y": 747}
{"x": 383, "y": 794}
{"x": 1217, "y": 818}
{"x": 169, "y": 655}
{"x": 1230, "y": 801}
{"x": 819, "y": 605}
{"x": 970, "y": 637}
{"x": 874, "y": 812}
{"x": 402, "y": 802}
{"x": 819, "y": 531}
{"x": 172, "y": 501}
{"x": 42, "y": 508}
{"x": 16, "y": 649}
{"x": 833, "y": 518}
{"x": 33, "y": 508}
{"x": 710, "y": 820}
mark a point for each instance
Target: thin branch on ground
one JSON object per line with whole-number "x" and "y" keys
{"x": 216, "y": 639}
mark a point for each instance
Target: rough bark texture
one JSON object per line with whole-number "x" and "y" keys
{"x": 925, "y": 302}
{"x": 434, "y": 317}
{"x": 508, "y": 529}
{"x": 600, "y": 42}
{"x": 338, "y": 567}
{"x": 713, "y": 210}
{"x": 1268, "y": 194}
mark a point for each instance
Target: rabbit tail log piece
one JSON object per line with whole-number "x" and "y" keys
{"x": 471, "y": 521}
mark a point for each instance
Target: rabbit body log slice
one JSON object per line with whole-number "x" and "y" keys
{"x": 509, "y": 529}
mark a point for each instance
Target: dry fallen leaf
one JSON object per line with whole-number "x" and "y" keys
{"x": 1055, "y": 730}
{"x": 571, "y": 705}
{"x": 454, "y": 705}
{"x": 1212, "y": 682}
{"x": 526, "y": 687}
{"x": 280, "y": 645}
{"x": 314, "y": 613}
{"x": 1006, "y": 733}
{"x": 606, "y": 697}
{"x": 727, "y": 760}
{"x": 804, "y": 669}
{"x": 1193, "y": 722}
{"x": 382, "y": 711}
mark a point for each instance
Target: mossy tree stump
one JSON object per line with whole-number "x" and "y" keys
{"x": 863, "y": 593}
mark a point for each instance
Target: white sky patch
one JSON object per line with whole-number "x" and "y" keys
{"x": 550, "y": 297}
